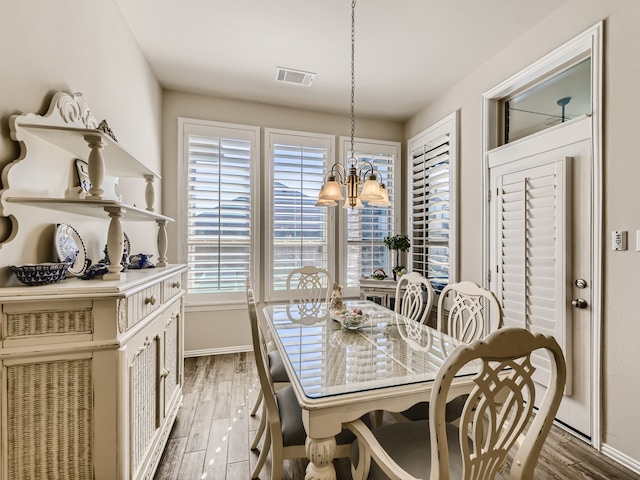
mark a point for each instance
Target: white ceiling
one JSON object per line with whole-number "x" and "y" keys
{"x": 407, "y": 51}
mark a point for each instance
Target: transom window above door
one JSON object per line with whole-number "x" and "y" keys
{"x": 564, "y": 95}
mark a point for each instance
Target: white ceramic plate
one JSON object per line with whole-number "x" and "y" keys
{"x": 70, "y": 249}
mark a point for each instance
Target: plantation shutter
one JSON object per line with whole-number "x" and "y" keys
{"x": 430, "y": 209}
{"x": 219, "y": 212}
{"x": 299, "y": 228}
{"x": 367, "y": 227}
{"x": 532, "y": 212}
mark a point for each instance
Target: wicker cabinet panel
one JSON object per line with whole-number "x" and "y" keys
{"x": 34, "y": 322}
{"x": 144, "y": 401}
{"x": 50, "y": 420}
{"x": 172, "y": 359}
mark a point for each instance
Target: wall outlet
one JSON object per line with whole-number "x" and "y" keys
{"x": 619, "y": 240}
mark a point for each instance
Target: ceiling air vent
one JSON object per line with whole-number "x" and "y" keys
{"x": 298, "y": 77}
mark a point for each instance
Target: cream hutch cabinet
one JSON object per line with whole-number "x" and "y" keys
{"x": 91, "y": 375}
{"x": 91, "y": 371}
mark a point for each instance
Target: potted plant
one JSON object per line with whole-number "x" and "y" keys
{"x": 399, "y": 243}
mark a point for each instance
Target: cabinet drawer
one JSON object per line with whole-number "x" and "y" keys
{"x": 171, "y": 286}
{"x": 141, "y": 304}
{"x": 56, "y": 321}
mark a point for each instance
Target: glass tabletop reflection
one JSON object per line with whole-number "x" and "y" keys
{"x": 387, "y": 350}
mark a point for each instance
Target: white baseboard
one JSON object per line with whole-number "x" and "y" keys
{"x": 218, "y": 351}
{"x": 621, "y": 458}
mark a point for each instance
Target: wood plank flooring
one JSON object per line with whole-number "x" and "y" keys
{"x": 211, "y": 437}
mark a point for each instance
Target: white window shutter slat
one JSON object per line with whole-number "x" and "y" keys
{"x": 532, "y": 211}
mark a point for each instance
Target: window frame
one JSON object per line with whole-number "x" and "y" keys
{"x": 367, "y": 145}
{"x": 272, "y": 136}
{"x": 447, "y": 126}
{"x": 187, "y": 126}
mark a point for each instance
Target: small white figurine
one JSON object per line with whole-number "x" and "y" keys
{"x": 336, "y": 298}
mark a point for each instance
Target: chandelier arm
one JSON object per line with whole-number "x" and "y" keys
{"x": 335, "y": 172}
{"x": 366, "y": 169}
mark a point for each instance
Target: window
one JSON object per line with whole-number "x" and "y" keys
{"x": 432, "y": 165}
{"x": 559, "y": 98}
{"x": 364, "y": 229}
{"x": 220, "y": 162}
{"x": 298, "y": 232}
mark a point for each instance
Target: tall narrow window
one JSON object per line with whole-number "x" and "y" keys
{"x": 219, "y": 165}
{"x": 432, "y": 160}
{"x": 367, "y": 227}
{"x": 299, "y": 231}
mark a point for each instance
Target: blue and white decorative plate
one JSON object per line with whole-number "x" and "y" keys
{"x": 70, "y": 249}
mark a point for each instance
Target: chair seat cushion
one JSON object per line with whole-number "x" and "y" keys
{"x": 293, "y": 432}
{"x": 276, "y": 367}
{"x": 420, "y": 411}
{"x": 408, "y": 443}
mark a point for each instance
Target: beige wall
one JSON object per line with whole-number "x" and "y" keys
{"x": 621, "y": 325}
{"x": 74, "y": 46}
{"x": 227, "y": 328}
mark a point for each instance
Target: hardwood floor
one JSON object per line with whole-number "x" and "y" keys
{"x": 211, "y": 437}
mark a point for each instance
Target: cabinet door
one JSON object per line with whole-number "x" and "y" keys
{"x": 172, "y": 367}
{"x": 144, "y": 397}
{"x": 48, "y": 418}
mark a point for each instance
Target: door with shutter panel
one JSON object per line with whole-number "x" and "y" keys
{"x": 540, "y": 245}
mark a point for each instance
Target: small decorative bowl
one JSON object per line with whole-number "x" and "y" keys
{"x": 350, "y": 319}
{"x": 353, "y": 322}
{"x": 40, "y": 273}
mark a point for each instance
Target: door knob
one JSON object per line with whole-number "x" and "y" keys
{"x": 579, "y": 303}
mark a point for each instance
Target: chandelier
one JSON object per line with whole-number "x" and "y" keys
{"x": 360, "y": 179}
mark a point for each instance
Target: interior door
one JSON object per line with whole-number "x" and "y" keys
{"x": 541, "y": 250}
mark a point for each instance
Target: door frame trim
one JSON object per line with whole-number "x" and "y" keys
{"x": 590, "y": 43}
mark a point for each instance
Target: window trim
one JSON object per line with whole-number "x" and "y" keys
{"x": 365, "y": 144}
{"x": 248, "y": 132}
{"x": 271, "y": 136}
{"x": 447, "y": 126}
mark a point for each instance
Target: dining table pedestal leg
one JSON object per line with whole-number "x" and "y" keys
{"x": 320, "y": 453}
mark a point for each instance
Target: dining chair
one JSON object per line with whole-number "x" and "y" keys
{"x": 467, "y": 311}
{"x": 499, "y": 415}
{"x": 279, "y": 376}
{"x": 285, "y": 433}
{"x": 414, "y": 297}
{"x": 464, "y": 309}
{"x": 309, "y": 284}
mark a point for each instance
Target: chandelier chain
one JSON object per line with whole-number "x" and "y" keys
{"x": 353, "y": 77}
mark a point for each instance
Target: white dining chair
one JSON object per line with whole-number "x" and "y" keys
{"x": 285, "y": 434}
{"x": 499, "y": 417}
{"x": 467, "y": 312}
{"x": 414, "y": 297}
{"x": 278, "y": 373}
{"x": 309, "y": 284}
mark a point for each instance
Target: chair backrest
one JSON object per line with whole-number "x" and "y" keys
{"x": 414, "y": 297}
{"x": 498, "y": 414}
{"x": 249, "y": 289}
{"x": 470, "y": 308}
{"x": 264, "y": 374}
{"x": 309, "y": 284}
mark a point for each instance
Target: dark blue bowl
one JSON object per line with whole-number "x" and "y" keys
{"x": 40, "y": 273}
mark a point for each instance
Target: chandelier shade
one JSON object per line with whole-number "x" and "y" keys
{"x": 385, "y": 202}
{"x": 362, "y": 181}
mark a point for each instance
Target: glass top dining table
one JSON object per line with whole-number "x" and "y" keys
{"x": 338, "y": 375}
